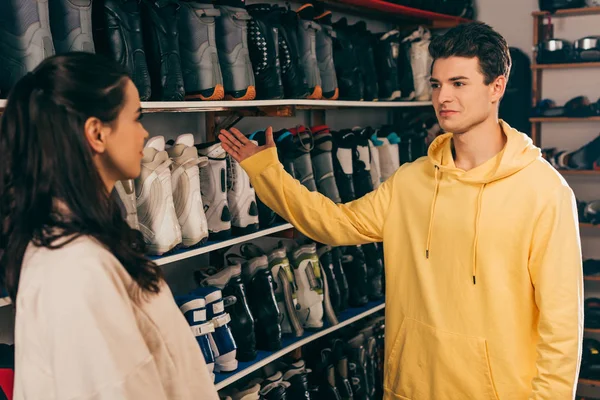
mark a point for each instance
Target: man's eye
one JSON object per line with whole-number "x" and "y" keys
{"x": 459, "y": 84}
{"x": 435, "y": 85}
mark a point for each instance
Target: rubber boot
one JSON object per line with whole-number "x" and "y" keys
{"x": 322, "y": 162}
{"x": 161, "y": 40}
{"x": 366, "y": 60}
{"x": 185, "y": 179}
{"x": 261, "y": 293}
{"x": 344, "y": 144}
{"x": 295, "y": 85}
{"x": 325, "y": 52}
{"x": 234, "y": 58}
{"x": 214, "y": 191}
{"x": 230, "y": 282}
{"x": 286, "y": 291}
{"x": 118, "y": 34}
{"x": 241, "y": 199}
{"x": 361, "y": 162}
{"x": 194, "y": 310}
{"x": 221, "y": 340}
{"x": 346, "y": 63}
{"x": 387, "y": 51}
{"x": 25, "y": 39}
{"x": 336, "y": 257}
{"x": 303, "y": 168}
{"x": 307, "y": 39}
{"x": 71, "y": 25}
{"x": 200, "y": 66}
{"x": 263, "y": 42}
{"x": 307, "y": 271}
{"x": 342, "y": 373}
{"x": 297, "y": 376}
{"x": 124, "y": 195}
{"x": 326, "y": 260}
{"x": 355, "y": 268}
{"x": 266, "y": 216}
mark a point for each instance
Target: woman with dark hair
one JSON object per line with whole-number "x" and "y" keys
{"x": 94, "y": 317}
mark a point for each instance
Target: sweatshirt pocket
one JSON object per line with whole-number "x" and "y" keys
{"x": 428, "y": 363}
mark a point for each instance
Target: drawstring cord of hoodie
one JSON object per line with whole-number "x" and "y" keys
{"x": 432, "y": 212}
{"x": 476, "y": 239}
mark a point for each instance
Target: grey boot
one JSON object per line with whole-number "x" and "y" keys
{"x": 25, "y": 39}
{"x": 71, "y": 25}
{"x": 307, "y": 39}
{"x": 232, "y": 44}
{"x": 323, "y": 163}
{"x": 198, "y": 51}
{"x": 325, "y": 54}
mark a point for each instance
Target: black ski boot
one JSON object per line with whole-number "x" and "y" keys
{"x": 263, "y": 43}
{"x": 322, "y": 161}
{"x": 366, "y": 59}
{"x": 387, "y": 51}
{"x": 347, "y": 69}
{"x": 303, "y": 145}
{"x": 295, "y": 85}
{"x": 344, "y": 143}
{"x": 342, "y": 372}
{"x": 340, "y": 275}
{"x": 71, "y": 25}
{"x": 118, "y": 34}
{"x": 326, "y": 259}
{"x": 161, "y": 39}
{"x": 355, "y": 269}
{"x": 297, "y": 376}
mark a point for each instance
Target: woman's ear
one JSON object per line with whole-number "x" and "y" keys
{"x": 96, "y": 133}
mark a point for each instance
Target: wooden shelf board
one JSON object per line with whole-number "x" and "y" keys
{"x": 566, "y": 66}
{"x": 569, "y": 12}
{"x": 563, "y": 119}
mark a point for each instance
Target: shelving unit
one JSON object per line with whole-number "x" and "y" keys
{"x": 538, "y": 69}
{"x": 263, "y": 358}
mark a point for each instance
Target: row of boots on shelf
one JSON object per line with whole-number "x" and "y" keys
{"x": 587, "y": 157}
{"x": 177, "y": 49}
{"x": 263, "y": 295}
{"x": 346, "y": 366}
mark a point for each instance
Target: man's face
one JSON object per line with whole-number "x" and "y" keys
{"x": 460, "y": 96}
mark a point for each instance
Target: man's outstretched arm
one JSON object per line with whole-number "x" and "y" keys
{"x": 313, "y": 214}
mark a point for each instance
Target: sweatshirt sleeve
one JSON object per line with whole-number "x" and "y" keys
{"x": 556, "y": 273}
{"x": 314, "y": 214}
{"x": 96, "y": 348}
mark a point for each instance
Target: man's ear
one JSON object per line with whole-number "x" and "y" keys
{"x": 96, "y": 133}
{"x": 498, "y": 87}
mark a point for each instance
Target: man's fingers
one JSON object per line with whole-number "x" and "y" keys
{"x": 233, "y": 142}
{"x": 269, "y": 137}
{"x": 231, "y": 151}
{"x": 239, "y": 135}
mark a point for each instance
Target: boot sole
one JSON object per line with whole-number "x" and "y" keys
{"x": 249, "y": 95}
{"x": 334, "y": 96}
{"x": 218, "y": 93}
{"x": 317, "y": 93}
{"x": 242, "y": 231}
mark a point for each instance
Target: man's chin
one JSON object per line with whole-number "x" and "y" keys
{"x": 452, "y": 127}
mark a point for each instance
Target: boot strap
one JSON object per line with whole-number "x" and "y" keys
{"x": 202, "y": 329}
{"x": 221, "y": 320}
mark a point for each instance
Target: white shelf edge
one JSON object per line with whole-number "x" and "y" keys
{"x": 219, "y": 245}
{"x": 285, "y": 350}
{"x": 5, "y": 301}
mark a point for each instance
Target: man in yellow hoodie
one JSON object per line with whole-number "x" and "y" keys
{"x": 482, "y": 252}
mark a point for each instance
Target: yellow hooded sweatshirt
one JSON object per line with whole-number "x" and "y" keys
{"x": 484, "y": 285}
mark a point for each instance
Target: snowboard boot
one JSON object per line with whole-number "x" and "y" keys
{"x": 405, "y": 72}
{"x": 366, "y": 60}
{"x": 324, "y": 378}
{"x": 358, "y": 368}
{"x": 25, "y": 39}
{"x": 387, "y": 51}
{"x": 326, "y": 260}
{"x": 71, "y": 25}
{"x": 307, "y": 39}
{"x": 161, "y": 40}
{"x": 325, "y": 52}
{"x": 261, "y": 294}
{"x": 185, "y": 177}
{"x": 340, "y": 361}
{"x": 230, "y": 282}
{"x": 286, "y": 149}
{"x": 361, "y": 162}
{"x": 263, "y": 43}
{"x": 297, "y": 377}
{"x": 294, "y": 81}
{"x": 375, "y": 165}
{"x": 340, "y": 275}
{"x": 214, "y": 191}
{"x": 241, "y": 199}
{"x": 421, "y": 62}
{"x": 303, "y": 145}
{"x": 344, "y": 143}
{"x": 234, "y": 58}
{"x": 155, "y": 208}
{"x": 322, "y": 163}
{"x": 274, "y": 388}
{"x": 221, "y": 340}
{"x": 355, "y": 268}
{"x": 266, "y": 216}
{"x": 286, "y": 291}
{"x": 370, "y": 345}
{"x": 374, "y": 271}
{"x": 118, "y": 34}
{"x": 307, "y": 271}
{"x": 346, "y": 63}
{"x": 194, "y": 310}
{"x": 200, "y": 67}
{"x": 124, "y": 195}
{"x": 386, "y": 141}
